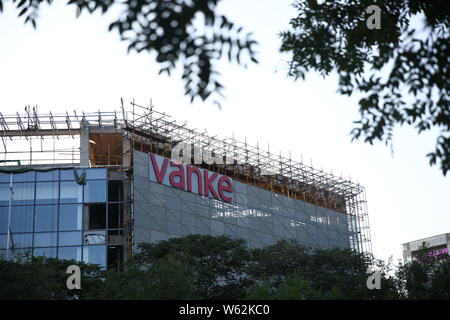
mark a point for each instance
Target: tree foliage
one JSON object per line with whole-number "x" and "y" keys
{"x": 218, "y": 267}
{"x": 288, "y": 267}
{"x": 426, "y": 280}
{"x": 401, "y": 69}
{"x": 218, "y": 263}
{"x": 45, "y": 278}
{"x": 188, "y": 33}
{"x": 166, "y": 278}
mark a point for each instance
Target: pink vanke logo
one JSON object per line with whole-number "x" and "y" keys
{"x": 190, "y": 178}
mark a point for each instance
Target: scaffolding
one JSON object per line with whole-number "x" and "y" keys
{"x": 52, "y": 139}
{"x": 49, "y": 138}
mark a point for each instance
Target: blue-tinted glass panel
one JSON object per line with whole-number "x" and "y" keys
{"x": 69, "y": 253}
{"x": 5, "y": 177}
{"x": 95, "y": 255}
{"x": 70, "y": 238}
{"x": 5, "y": 194}
{"x": 23, "y": 193}
{"x": 95, "y": 191}
{"x": 46, "y": 239}
{"x": 4, "y": 219}
{"x": 71, "y": 192}
{"x": 70, "y": 216}
{"x": 52, "y": 175}
{"x": 45, "y": 252}
{"x": 47, "y": 192}
{"x": 24, "y": 177}
{"x": 3, "y": 240}
{"x": 46, "y": 218}
{"x": 68, "y": 174}
{"x": 21, "y": 240}
{"x": 96, "y": 173}
{"x": 22, "y": 219}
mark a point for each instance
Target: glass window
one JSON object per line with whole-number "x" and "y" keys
{"x": 23, "y": 193}
{"x": 46, "y": 192}
{"x": 22, "y": 219}
{"x": 46, "y": 239}
{"x": 24, "y": 177}
{"x": 4, "y": 219}
{"x": 95, "y": 255}
{"x": 71, "y": 192}
{"x": 21, "y": 240}
{"x": 3, "y": 240}
{"x": 68, "y": 174}
{"x": 95, "y": 191}
{"x": 5, "y": 194}
{"x": 16, "y": 240}
{"x": 69, "y": 253}
{"x": 5, "y": 177}
{"x": 97, "y": 173}
{"x": 45, "y": 252}
{"x": 46, "y": 218}
{"x": 52, "y": 175}
{"x": 97, "y": 216}
{"x": 70, "y": 216}
{"x": 72, "y": 238}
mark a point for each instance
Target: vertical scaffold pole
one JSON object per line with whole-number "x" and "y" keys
{"x": 11, "y": 192}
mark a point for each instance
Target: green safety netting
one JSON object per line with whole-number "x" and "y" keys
{"x": 80, "y": 179}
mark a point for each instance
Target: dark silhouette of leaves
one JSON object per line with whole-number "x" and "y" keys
{"x": 219, "y": 267}
{"x": 189, "y": 33}
{"x": 333, "y": 36}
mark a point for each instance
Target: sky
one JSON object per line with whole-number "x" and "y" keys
{"x": 69, "y": 63}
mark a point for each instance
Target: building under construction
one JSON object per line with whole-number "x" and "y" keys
{"x": 91, "y": 186}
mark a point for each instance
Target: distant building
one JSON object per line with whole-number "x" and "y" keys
{"x": 431, "y": 248}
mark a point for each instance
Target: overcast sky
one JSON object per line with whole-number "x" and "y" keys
{"x": 70, "y": 63}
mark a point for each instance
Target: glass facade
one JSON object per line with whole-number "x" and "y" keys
{"x": 259, "y": 216}
{"x": 51, "y": 215}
